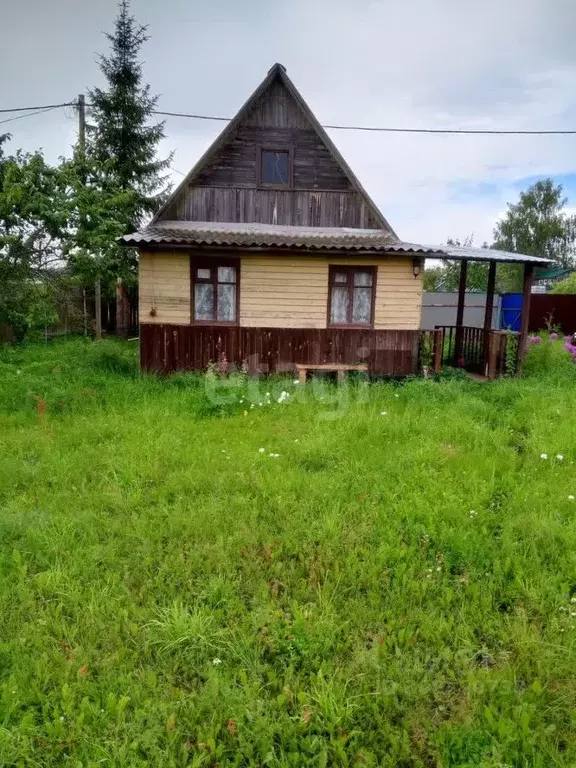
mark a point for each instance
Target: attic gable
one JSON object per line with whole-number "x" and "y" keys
{"x": 225, "y": 185}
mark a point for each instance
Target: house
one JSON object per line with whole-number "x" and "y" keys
{"x": 546, "y": 279}
{"x": 271, "y": 253}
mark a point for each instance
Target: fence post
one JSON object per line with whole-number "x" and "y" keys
{"x": 122, "y": 310}
{"x": 492, "y": 354}
{"x": 438, "y": 342}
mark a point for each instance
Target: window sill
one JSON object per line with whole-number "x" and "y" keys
{"x": 282, "y": 187}
{"x": 352, "y": 327}
{"x": 224, "y": 323}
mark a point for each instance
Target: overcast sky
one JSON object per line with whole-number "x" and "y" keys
{"x": 414, "y": 63}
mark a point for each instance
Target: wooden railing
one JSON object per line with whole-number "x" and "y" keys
{"x": 387, "y": 352}
{"x": 492, "y": 354}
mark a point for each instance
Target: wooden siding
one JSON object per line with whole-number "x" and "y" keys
{"x": 283, "y": 292}
{"x": 277, "y": 109}
{"x": 226, "y": 187}
{"x": 305, "y": 208}
{"x": 168, "y": 348}
{"x": 291, "y": 292}
{"x": 164, "y": 286}
{"x": 235, "y": 165}
{"x": 398, "y": 295}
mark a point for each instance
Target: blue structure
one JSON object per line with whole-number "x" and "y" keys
{"x": 511, "y": 312}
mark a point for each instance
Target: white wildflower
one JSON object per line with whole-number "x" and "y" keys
{"x": 267, "y": 394}
{"x": 274, "y": 455}
{"x": 383, "y": 413}
{"x": 296, "y": 381}
{"x": 570, "y": 498}
{"x": 261, "y": 450}
{"x": 573, "y": 600}
{"x": 544, "y": 456}
{"x": 396, "y": 395}
{"x": 438, "y": 568}
{"x": 560, "y": 457}
{"x": 216, "y": 662}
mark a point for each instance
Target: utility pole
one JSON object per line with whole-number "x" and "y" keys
{"x": 81, "y": 125}
{"x": 82, "y": 153}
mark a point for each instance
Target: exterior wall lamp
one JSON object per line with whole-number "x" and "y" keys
{"x": 416, "y": 267}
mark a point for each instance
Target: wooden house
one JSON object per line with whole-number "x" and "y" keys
{"x": 270, "y": 252}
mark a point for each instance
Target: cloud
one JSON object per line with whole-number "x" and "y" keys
{"x": 371, "y": 62}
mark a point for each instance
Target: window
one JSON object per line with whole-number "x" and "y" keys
{"x": 215, "y": 293}
{"x": 275, "y": 168}
{"x": 351, "y": 295}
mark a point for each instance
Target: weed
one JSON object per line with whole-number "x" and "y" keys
{"x": 188, "y": 577}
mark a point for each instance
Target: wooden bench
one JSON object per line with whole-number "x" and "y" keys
{"x": 340, "y": 368}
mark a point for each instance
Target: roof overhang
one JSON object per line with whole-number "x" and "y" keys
{"x": 201, "y": 234}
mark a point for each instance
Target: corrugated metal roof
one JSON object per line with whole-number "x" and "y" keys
{"x": 487, "y": 254}
{"x": 228, "y": 234}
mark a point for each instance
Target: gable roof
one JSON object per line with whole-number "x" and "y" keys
{"x": 277, "y": 72}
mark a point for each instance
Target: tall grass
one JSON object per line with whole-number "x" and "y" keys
{"x": 394, "y": 589}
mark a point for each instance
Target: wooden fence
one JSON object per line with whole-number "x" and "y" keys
{"x": 489, "y": 354}
{"x": 168, "y": 348}
{"x": 549, "y": 310}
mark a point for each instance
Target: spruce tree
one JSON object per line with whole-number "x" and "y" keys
{"x": 122, "y": 137}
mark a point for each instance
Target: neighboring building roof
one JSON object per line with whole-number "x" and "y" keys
{"x": 227, "y": 234}
{"x": 278, "y": 71}
{"x": 553, "y": 273}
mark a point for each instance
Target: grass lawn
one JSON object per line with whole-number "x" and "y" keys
{"x": 396, "y": 588}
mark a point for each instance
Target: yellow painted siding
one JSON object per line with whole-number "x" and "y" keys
{"x": 280, "y": 291}
{"x": 291, "y": 292}
{"x": 398, "y": 296}
{"x": 165, "y": 287}
{"x": 283, "y": 292}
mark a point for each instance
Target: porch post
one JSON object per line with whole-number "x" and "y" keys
{"x": 460, "y": 311}
{"x": 528, "y": 274}
{"x": 488, "y": 312}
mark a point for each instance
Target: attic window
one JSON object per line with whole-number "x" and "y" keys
{"x": 275, "y": 168}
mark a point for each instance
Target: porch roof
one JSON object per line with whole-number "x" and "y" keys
{"x": 254, "y": 235}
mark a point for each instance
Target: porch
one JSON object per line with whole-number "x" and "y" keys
{"x": 485, "y": 351}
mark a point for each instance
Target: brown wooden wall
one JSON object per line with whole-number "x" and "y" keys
{"x": 235, "y": 165}
{"x": 168, "y": 348}
{"x": 306, "y": 208}
{"x": 226, "y": 188}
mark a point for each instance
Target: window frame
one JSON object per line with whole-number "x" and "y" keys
{"x": 259, "y": 165}
{"x": 350, "y": 270}
{"x": 213, "y": 264}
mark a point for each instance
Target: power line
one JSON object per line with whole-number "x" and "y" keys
{"x": 30, "y": 114}
{"x": 43, "y": 106}
{"x": 368, "y": 128}
{"x": 469, "y": 131}
{"x": 196, "y": 117}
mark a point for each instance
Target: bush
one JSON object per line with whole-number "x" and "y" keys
{"x": 547, "y": 355}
